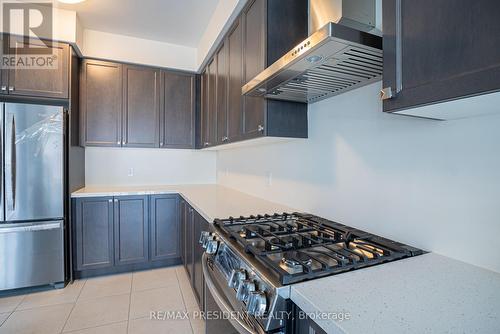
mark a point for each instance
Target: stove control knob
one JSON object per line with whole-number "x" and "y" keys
{"x": 257, "y": 303}
{"x": 203, "y": 236}
{"x": 212, "y": 246}
{"x": 236, "y": 278}
{"x": 244, "y": 290}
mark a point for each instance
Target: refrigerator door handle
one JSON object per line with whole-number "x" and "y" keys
{"x": 13, "y": 161}
{"x": 12, "y": 228}
{"x": 1, "y": 163}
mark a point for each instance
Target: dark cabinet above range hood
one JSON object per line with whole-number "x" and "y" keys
{"x": 339, "y": 55}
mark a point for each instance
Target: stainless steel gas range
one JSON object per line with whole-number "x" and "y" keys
{"x": 250, "y": 263}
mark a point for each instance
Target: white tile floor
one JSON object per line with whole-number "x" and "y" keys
{"x": 115, "y": 304}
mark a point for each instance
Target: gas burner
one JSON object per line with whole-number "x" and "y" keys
{"x": 282, "y": 243}
{"x": 296, "y": 259}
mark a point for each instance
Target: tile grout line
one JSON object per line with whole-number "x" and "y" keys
{"x": 74, "y": 304}
{"x": 183, "y": 299}
{"x": 5, "y": 321}
{"x": 130, "y": 300}
{"x": 22, "y": 300}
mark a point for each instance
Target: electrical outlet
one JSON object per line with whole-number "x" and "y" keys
{"x": 130, "y": 172}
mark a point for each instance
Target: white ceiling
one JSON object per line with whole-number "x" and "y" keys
{"x": 173, "y": 21}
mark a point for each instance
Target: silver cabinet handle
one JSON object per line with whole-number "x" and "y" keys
{"x": 110, "y": 200}
{"x": 260, "y": 128}
{"x": 4, "y": 88}
{"x": 11, "y": 88}
{"x": 161, "y": 144}
{"x": 116, "y": 200}
{"x": 118, "y": 142}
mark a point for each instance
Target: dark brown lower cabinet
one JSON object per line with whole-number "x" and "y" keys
{"x": 189, "y": 241}
{"x": 93, "y": 227}
{"x": 131, "y": 229}
{"x": 200, "y": 224}
{"x": 192, "y": 224}
{"x": 125, "y": 233}
{"x": 164, "y": 227}
{"x": 302, "y": 324}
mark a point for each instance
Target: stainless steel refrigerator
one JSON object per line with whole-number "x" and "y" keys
{"x": 32, "y": 195}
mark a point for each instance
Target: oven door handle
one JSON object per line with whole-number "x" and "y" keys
{"x": 240, "y": 326}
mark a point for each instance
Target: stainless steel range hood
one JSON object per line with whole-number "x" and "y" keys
{"x": 340, "y": 56}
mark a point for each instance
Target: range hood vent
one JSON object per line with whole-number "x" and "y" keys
{"x": 333, "y": 60}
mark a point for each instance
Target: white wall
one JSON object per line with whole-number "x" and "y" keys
{"x": 432, "y": 184}
{"x": 110, "y": 166}
{"x": 221, "y": 20}
{"x": 109, "y": 46}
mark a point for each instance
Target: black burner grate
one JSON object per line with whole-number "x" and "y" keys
{"x": 299, "y": 246}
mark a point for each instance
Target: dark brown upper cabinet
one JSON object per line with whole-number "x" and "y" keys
{"x": 254, "y": 45}
{"x": 46, "y": 83}
{"x": 209, "y": 105}
{"x": 141, "y": 106}
{"x": 439, "y": 50}
{"x": 212, "y": 103}
{"x": 234, "y": 82}
{"x": 204, "y": 135}
{"x": 263, "y": 32}
{"x": 136, "y": 106}
{"x": 221, "y": 95}
{"x": 101, "y": 103}
{"x": 178, "y": 112}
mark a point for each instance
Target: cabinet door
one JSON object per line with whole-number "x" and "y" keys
{"x": 178, "y": 110}
{"x": 304, "y": 324}
{"x": 141, "y": 106}
{"x": 212, "y": 103}
{"x": 43, "y": 82}
{"x": 254, "y": 50}
{"x": 189, "y": 242}
{"x": 235, "y": 82}
{"x": 204, "y": 121}
{"x": 444, "y": 50}
{"x": 164, "y": 227}
{"x": 4, "y": 73}
{"x": 200, "y": 224}
{"x": 182, "y": 226}
{"x": 221, "y": 95}
{"x": 131, "y": 229}
{"x": 94, "y": 232}
{"x": 101, "y": 102}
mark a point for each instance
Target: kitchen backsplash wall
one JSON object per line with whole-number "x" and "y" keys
{"x": 139, "y": 166}
{"x": 432, "y": 184}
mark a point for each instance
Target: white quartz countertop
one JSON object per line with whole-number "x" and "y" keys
{"x": 211, "y": 201}
{"x": 424, "y": 294}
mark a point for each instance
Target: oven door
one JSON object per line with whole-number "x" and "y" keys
{"x": 216, "y": 301}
